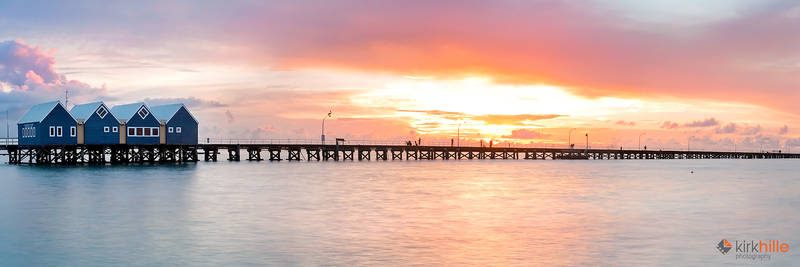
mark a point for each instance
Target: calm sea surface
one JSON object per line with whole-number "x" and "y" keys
{"x": 629, "y": 213}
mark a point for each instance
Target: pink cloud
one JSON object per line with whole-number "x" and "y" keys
{"x": 526, "y": 134}
{"x": 669, "y": 125}
{"x": 31, "y": 75}
{"x": 702, "y": 123}
{"x": 625, "y": 123}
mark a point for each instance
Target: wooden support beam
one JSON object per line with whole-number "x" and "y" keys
{"x": 254, "y": 154}
{"x": 330, "y": 154}
{"x": 380, "y": 153}
{"x": 347, "y": 154}
{"x": 233, "y": 153}
{"x": 274, "y": 153}
{"x": 294, "y": 153}
{"x": 364, "y": 153}
{"x": 312, "y": 153}
{"x": 397, "y": 154}
{"x": 412, "y": 153}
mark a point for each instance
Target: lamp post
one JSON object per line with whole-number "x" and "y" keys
{"x": 458, "y": 135}
{"x": 330, "y": 112}
{"x": 587, "y": 143}
{"x": 569, "y": 139}
{"x": 640, "y": 140}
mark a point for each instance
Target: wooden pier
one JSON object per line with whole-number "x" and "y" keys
{"x": 117, "y": 154}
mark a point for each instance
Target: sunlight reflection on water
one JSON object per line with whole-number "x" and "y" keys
{"x": 395, "y": 213}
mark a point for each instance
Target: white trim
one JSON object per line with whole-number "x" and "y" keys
{"x": 114, "y": 129}
{"x": 52, "y": 131}
{"x": 103, "y": 108}
{"x": 106, "y": 129}
{"x": 171, "y": 130}
{"x": 136, "y": 130}
{"x": 145, "y": 109}
{"x": 177, "y": 129}
{"x": 48, "y": 114}
{"x": 73, "y": 131}
{"x": 187, "y": 111}
{"x": 59, "y": 131}
{"x": 103, "y": 104}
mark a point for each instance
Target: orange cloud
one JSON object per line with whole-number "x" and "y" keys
{"x": 520, "y": 119}
{"x": 581, "y": 47}
{"x": 526, "y": 134}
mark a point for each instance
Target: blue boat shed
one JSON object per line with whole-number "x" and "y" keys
{"x": 138, "y": 125}
{"x": 178, "y": 123}
{"x": 96, "y": 124}
{"x": 47, "y": 124}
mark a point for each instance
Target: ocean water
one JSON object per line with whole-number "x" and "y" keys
{"x": 397, "y": 213}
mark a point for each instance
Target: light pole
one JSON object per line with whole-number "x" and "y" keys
{"x": 569, "y": 139}
{"x": 458, "y": 135}
{"x": 330, "y": 112}
{"x": 640, "y": 140}
{"x": 587, "y": 143}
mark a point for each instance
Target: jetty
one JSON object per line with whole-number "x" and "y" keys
{"x": 292, "y": 150}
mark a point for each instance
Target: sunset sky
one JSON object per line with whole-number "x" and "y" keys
{"x": 717, "y": 74}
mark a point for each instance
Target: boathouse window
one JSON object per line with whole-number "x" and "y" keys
{"x": 72, "y": 131}
{"x": 52, "y": 131}
{"x": 59, "y": 131}
{"x": 115, "y": 129}
{"x": 105, "y": 129}
{"x": 143, "y": 112}
{"x": 171, "y": 130}
{"x": 102, "y": 112}
{"x": 178, "y": 129}
{"x": 142, "y": 131}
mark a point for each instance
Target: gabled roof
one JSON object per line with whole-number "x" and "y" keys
{"x": 126, "y": 112}
{"x": 84, "y": 111}
{"x": 38, "y": 112}
{"x": 166, "y": 112}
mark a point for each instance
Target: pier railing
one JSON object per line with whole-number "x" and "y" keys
{"x": 9, "y": 141}
{"x": 289, "y": 141}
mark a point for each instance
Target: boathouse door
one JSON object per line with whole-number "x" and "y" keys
{"x": 80, "y": 134}
{"x": 123, "y": 134}
{"x": 163, "y": 134}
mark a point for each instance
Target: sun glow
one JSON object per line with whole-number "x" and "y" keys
{"x": 479, "y": 107}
